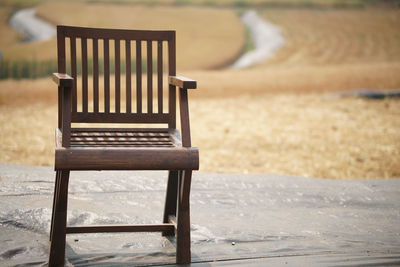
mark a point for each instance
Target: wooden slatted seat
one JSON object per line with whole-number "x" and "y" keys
{"x": 111, "y": 81}
{"x": 124, "y": 138}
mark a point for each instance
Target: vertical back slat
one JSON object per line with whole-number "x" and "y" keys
{"x": 117, "y": 77}
{"x": 139, "y": 76}
{"x": 84, "y": 76}
{"x": 73, "y": 73}
{"x": 172, "y": 89}
{"x": 61, "y": 69}
{"x": 160, "y": 76}
{"x": 128, "y": 76}
{"x": 106, "y": 77}
{"x": 149, "y": 77}
{"x": 61, "y": 63}
{"x": 87, "y": 44}
{"x": 95, "y": 75}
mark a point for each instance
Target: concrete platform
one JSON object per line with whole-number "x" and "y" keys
{"x": 237, "y": 220}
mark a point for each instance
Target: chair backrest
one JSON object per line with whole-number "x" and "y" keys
{"x": 119, "y": 74}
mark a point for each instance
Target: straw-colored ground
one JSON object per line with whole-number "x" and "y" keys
{"x": 272, "y": 118}
{"x": 336, "y": 37}
{"x": 301, "y": 134}
{"x": 204, "y": 30}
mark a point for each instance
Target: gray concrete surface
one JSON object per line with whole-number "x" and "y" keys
{"x": 237, "y": 220}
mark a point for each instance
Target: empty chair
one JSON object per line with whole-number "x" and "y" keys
{"x": 110, "y": 76}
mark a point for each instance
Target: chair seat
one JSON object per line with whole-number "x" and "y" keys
{"x": 124, "y": 149}
{"x": 92, "y": 137}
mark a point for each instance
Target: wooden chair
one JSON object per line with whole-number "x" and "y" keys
{"x": 80, "y": 100}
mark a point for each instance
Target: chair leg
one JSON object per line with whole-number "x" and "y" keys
{"x": 56, "y": 186}
{"x": 183, "y": 254}
{"x": 57, "y": 247}
{"x": 170, "y": 199}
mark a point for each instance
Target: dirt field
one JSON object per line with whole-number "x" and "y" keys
{"x": 336, "y": 37}
{"x": 204, "y": 30}
{"x": 277, "y": 117}
{"x": 308, "y": 134}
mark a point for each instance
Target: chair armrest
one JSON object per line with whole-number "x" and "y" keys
{"x": 62, "y": 79}
{"x": 182, "y": 82}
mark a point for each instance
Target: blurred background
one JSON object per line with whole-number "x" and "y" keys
{"x": 298, "y": 111}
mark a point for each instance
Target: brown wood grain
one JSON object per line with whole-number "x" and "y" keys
{"x": 183, "y": 254}
{"x": 95, "y": 75}
{"x": 119, "y": 118}
{"x": 61, "y": 63}
{"x": 74, "y": 73}
{"x": 138, "y": 158}
{"x": 128, "y": 84}
{"x": 85, "y": 98}
{"x": 57, "y": 247}
{"x": 62, "y": 79}
{"x": 184, "y": 111}
{"x": 117, "y": 76}
{"x": 66, "y": 116}
{"x": 160, "y": 76}
{"x": 85, "y": 32}
{"x": 182, "y": 82}
{"x": 138, "y": 76}
{"x": 171, "y": 88}
{"x": 149, "y": 77}
{"x": 109, "y": 148}
{"x": 106, "y": 76}
{"x": 120, "y": 228}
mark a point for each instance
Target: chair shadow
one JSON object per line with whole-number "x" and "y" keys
{"x": 141, "y": 257}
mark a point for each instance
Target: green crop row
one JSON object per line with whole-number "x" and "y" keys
{"x": 21, "y": 69}
{"x": 32, "y": 69}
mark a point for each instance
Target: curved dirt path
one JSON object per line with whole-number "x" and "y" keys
{"x": 266, "y": 37}
{"x": 31, "y": 27}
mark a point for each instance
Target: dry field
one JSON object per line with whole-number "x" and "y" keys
{"x": 277, "y": 117}
{"x": 308, "y": 134}
{"x": 204, "y": 30}
{"x": 240, "y": 3}
{"x": 336, "y": 37}
{"x": 8, "y": 36}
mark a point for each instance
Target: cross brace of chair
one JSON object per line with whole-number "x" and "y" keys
{"x": 121, "y": 228}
